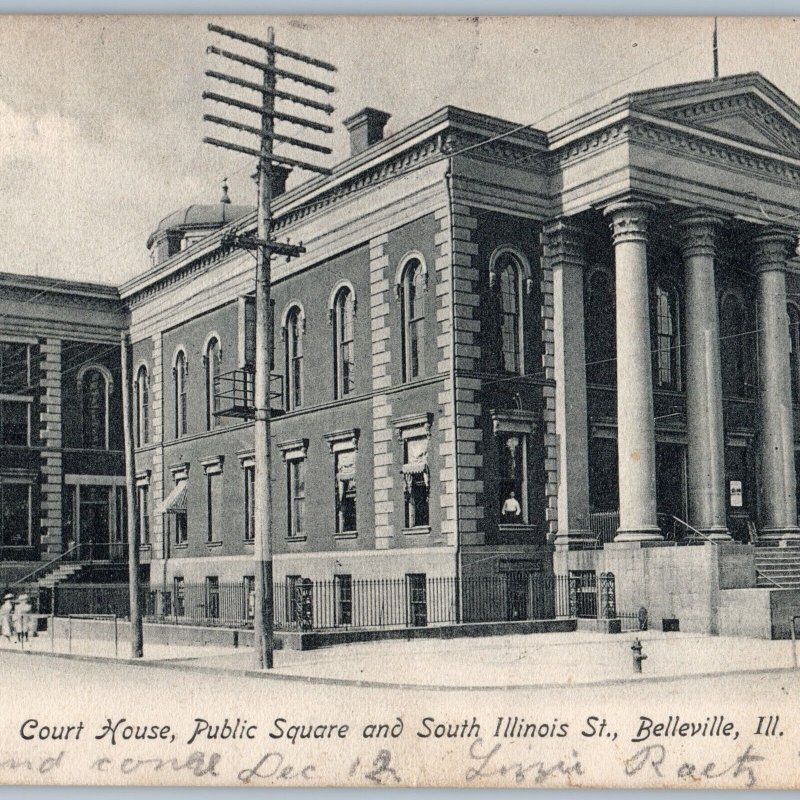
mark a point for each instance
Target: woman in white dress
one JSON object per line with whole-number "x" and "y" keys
{"x": 22, "y": 617}
{"x": 6, "y": 610}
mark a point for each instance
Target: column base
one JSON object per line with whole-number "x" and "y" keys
{"x": 719, "y": 534}
{"x": 780, "y": 535}
{"x": 639, "y": 535}
{"x": 568, "y": 538}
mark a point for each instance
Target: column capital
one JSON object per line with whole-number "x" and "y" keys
{"x": 772, "y": 249}
{"x": 628, "y": 220}
{"x": 564, "y": 243}
{"x": 698, "y": 233}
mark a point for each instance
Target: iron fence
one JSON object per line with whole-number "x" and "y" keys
{"x": 306, "y": 605}
{"x": 603, "y": 525}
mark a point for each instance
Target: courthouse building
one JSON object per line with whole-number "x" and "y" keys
{"x": 505, "y": 351}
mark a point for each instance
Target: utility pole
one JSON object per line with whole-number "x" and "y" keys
{"x": 715, "y": 49}
{"x": 137, "y": 650}
{"x": 265, "y": 247}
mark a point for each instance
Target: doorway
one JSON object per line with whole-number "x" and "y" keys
{"x": 94, "y": 530}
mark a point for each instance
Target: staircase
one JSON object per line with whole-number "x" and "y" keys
{"x": 63, "y": 572}
{"x": 778, "y": 566}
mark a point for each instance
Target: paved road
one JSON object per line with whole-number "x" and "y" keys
{"x": 56, "y": 693}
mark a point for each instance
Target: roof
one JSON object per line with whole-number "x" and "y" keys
{"x": 200, "y": 216}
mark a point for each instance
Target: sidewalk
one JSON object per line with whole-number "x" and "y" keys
{"x": 501, "y": 661}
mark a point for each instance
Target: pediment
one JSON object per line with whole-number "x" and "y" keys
{"x": 742, "y": 117}
{"x": 747, "y": 108}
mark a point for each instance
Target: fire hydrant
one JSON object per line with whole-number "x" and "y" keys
{"x": 638, "y": 656}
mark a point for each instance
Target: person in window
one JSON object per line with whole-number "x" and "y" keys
{"x": 511, "y": 511}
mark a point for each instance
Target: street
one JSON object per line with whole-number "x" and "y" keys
{"x": 180, "y": 722}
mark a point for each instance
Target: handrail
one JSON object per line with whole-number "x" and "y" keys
{"x": 694, "y": 530}
{"x": 44, "y": 567}
{"x": 767, "y": 577}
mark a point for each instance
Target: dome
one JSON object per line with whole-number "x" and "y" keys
{"x": 198, "y": 217}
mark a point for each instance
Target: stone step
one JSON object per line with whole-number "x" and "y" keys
{"x": 769, "y": 555}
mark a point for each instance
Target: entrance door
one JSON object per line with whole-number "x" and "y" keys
{"x": 739, "y": 479}
{"x": 517, "y": 595}
{"x": 671, "y": 487}
{"x": 94, "y": 522}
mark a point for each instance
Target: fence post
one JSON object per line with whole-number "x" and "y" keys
{"x": 53, "y": 629}
{"x": 116, "y": 638}
{"x": 69, "y": 635}
{"x": 794, "y": 641}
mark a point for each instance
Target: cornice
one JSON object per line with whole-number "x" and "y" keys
{"x": 674, "y": 136}
{"x": 717, "y": 108}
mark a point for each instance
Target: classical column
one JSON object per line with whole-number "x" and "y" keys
{"x": 706, "y": 451}
{"x": 564, "y": 250}
{"x": 778, "y": 503}
{"x": 635, "y": 425}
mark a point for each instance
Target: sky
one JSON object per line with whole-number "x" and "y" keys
{"x": 101, "y": 117}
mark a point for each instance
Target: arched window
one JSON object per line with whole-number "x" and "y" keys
{"x": 179, "y": 375}
{"x": 94, "y": 408}
{"x": 413, "y": 310}
{"x": 294, "y": 359}
{"x": 794, "y": 350}
{"x": 343, "y": 349}
{"x": 212, "y": 357}
{"x": 142, "y": 406}
{"x": 667, "y": 337}
{"x": 734, "y": 347}
{"x": 601, "y": 330}
{"x": 508, "y": 278}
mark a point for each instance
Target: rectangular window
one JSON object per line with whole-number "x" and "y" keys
{"x": 68, "y": 506}
{"x": 15, "y": 514}
{"x": 121, "y": 522}
{"x": 248, "y": 323}
{"x": 249, "y": 595}
{"x": 143, "y": 516}
{"x": 181, "y": 527}
{"x": 14, "y": 423}
{"x": 344, "y": 599}
{"x": 179, "y": 589}
{"x": 417, "y": 482}
{"x": 15, "y": 368}
{"x": 296, "y": 481}
{"x": 512, "y": 460}
{"x": 212, "y": 597}
{"x": 416, "y": 588}
{"x": 214, "y": 508}
{"x": 249, "y": 504}
{"x": 345, "y": 461}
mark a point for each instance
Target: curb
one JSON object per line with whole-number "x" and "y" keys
{"x": 183, "y": 666}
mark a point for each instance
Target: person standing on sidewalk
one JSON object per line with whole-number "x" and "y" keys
{"x": 6, "y": 610}
{"x": 22, "y": 617}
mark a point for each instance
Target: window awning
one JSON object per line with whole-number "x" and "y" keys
{"x": 175, "y": 503}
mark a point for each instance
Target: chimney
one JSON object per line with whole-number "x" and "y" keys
{"x": 365, "y": 128}
{"x": 280, "y": 175}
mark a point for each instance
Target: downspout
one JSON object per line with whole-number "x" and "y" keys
{"x": 448, "y": 177}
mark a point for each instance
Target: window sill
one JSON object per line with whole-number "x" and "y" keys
{"x": 180, "y": 546}
{"x": 296, "y": 538}
{"x": 346, "y": 535}
{"x": 418, "y": 530}
{"x": 145, "y": 546}
{"x": 214, "y": 544}
{"x": 517, "y": 527}
{"x": 251, "y": 542}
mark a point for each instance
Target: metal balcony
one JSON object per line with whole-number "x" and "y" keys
{"x": 234, "y": 393}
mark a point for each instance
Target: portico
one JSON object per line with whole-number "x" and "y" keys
{"x": 685, "y": 245}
